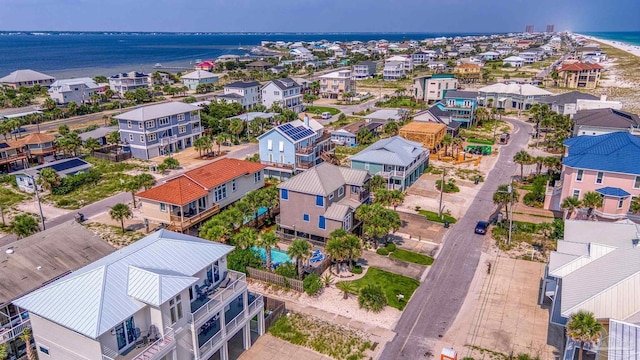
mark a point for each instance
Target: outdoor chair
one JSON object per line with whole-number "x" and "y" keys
{"x": 224, "y": 283}
{"x": 153, "y": 334}
{"x": 316, "y": 258}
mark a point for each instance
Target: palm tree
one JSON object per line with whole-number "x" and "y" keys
{"x": 376, "y": 182}
{"x": 336, "y": 247}
{"x": 584, "y": 328}
{"x": 553, "y": 163}
{"x": 396, "y": 197}
{"x": 523, "y": 158}
{"x": 202, "y": 143}
{"x": 300, "y": 250}
{"x": 48, "y": 179}
{"x": 391, "y": 128}
{"x": 132, "y": 186}
{"x": 4, "y": 352}
{"x": 92, "y": 145}
{"x": 120, "y": 212}
{"x": 570, "y": 204}
{"x": 24, "y": 225}
{"x": 147, "y": 181}
{"x": 267, "y": 242}
{"x": 347, "y": 287}
{"x": 113, "y": 137}
{"x": 245, "y": 238}
{"x": 221, "y": 139}
{"x": 270, "y": 199}
{"x": 592, "y": 200}
{"x": 481, "y": 115}
{"x": 456, "y": 143}
{"x": 254, "y": 199}
{"x": 236, "y": 127}
{"x": 26, "y": 337}
{"x": 447, "y": 141}
{"x": 503, "y": 197}
{"x": 635, "y": 206}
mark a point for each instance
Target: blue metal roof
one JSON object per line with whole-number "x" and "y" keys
{"x": 612, "y": 191}
{"x": 615, "y": 152}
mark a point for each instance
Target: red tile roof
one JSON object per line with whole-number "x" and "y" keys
{"x": 197, "y": 183}
{"x": 222, "y": 171}
{"x": 179, "y": 191}
{"x": 579, "y": 66}
{"x": 37, "y": 138}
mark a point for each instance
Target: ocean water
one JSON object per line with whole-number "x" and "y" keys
{"x": 629, "y": 37}
{"x": 90, "y": 54}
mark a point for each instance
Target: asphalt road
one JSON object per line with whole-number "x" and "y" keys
{"x": 435, "y": 304}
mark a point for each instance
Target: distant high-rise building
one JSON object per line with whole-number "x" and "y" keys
{"x": 529, "y": 29}
{"x": 550, "y": 28}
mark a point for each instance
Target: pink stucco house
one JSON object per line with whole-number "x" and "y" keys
{"x": 607, "y": 164}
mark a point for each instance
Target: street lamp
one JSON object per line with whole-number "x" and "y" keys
{"x": 510, "y": 192}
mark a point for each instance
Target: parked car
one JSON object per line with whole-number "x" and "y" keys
{"x": 481, "y": 227}
{"x": 326, "y": 115}
{"x": 18, "y": 130}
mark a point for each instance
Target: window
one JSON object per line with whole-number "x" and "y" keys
{"x": 44, "y": 350}
{"x": 220, "y": 192}
{"x": 129, "y": 124}
{"x": 281, "y": 146}
{"x": 257, "y": 176}
{"x": 152, "y": 137}
{"x": 175, "y": 309}
{"x": 269, "y": 144}
{"x": 180, "y": 117}
{"x": 355, "y": 189}
{"x": 366, "y": 166}
{"x": 305, "y": 217}
{"x": 130, "y": 137}
{"x": 140, "y": 125}
{"x": 141, "y": 138}
{"x": 163, "y": 207}
{"x": 579, "y": 175}
{"x": 620, "y": 203}
{"x": 276, "y": 93}
{"x": 636, "y": 183}
{"x": 576, "y": 193}
{"x": 149, "y": 124}
{"x": 233, "y": 185}
{"x": 340, "y": 191}
{"x": 182, "y": 129}
{"x": 322, "y": 224}
{"x": 330, "y": 196}
{"x": 284, "y": 194}
{"x": 163, "y": 121}
{"x": 319, "y": 200}
{"x": 599, "y": 177}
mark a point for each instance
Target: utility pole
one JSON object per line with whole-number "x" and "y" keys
{"x": 35, "y": 188}
{"x": 441, "y": 193}
{"x": 510, "y": 214}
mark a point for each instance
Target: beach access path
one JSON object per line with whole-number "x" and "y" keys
{"x": 434, "y": 306}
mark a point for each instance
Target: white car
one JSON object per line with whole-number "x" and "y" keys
{"x": 326, "y": 115}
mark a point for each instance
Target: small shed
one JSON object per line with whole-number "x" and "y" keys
{"x": 448, "y": 354}
{"x": 429, "y": 134}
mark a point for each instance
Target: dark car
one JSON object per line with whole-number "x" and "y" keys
{"x": 481, "y": 227}
{"x": 18, "y": 130}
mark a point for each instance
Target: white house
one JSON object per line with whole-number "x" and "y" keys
{"x": 199, "y": 77}
{"x": 121, "y": 83}
{"x": 393, "y": 70}
{"x": 166, "y": 296}
{"x": 285, "y": 93}
{"x": 77, "y": 90}
{"x": 489, "y": 55}
{"x": 514, "y": 61}
{"x": 246, "y": 94}
{"x": 301, "y": 53}
{"x": 406, "y": 61}
{"x": 529, "y": 56}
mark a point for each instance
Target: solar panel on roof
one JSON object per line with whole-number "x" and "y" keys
{"x": 286, "y": 127}
{"x": 72, "y": 163}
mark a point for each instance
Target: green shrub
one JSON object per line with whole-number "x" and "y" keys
{"x": 65, "y": 203}
{"x": 433, "y": 216}
{"x": 287, "y": 269}
{"x": 70, "y": 183}
{"x": 382, "y": 251}
{"x": 372, "y": 298}
{"x": 356, "y": 269}
{"x": 480, "y": 141}
{"x": 449, "y": 187}
{"x": 391, "y": 247}
{"x": 240, "y": 259}
{"x": 312, "y": 284}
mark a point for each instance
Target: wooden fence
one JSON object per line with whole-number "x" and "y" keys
{"x": 275, "y": 279}
{"x": 276, "y": 309}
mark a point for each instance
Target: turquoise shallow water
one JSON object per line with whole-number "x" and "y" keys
{"x": 629, "y": 37}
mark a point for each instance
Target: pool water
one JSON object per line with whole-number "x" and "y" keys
{"x": 261, "y": 211}
{"x": 277, "y": 256}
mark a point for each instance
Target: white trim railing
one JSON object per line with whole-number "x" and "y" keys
{"x": 212, "y": 343}
{"x": 220, "y": 296}
{"x": 9, "y": 334}
{"x": 155, "y": 350}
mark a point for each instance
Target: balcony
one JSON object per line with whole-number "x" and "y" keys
{"x": 215, "y": 302}
{"x": 9, "y": 333}
{"x": 181, "y": 223}
{"x": 12, "y": 158}
{"x": 196, "y": 130}
{"x": 277, "y": 165}
{"x": 155, "y": 351}
{"x": 42, "y": 150}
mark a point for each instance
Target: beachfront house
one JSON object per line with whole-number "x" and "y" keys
{"x": 37, "y": 260}
{"x": 423, "y": 57}
{"x": 123, "y": 82}
{"x": 285, "y": 93}
{"x": 579, "y": 75}
{"x": 67, "y": 167}
{"x": 511, "y": 96}
{"x": 431, "y": 88}
{"x": 79, "y": 90}
{"x": 26, "y": 78}
{"x": 321, "y": 200}
{"x": 393, "y": 70}
{"x": 334, "y": 84}
{"x": 400, "y": 162}
{"x": 595, "y": 268}
{"x": 599, "y": 164}
{"x": 161, "y": 129}
{"x": 364, "y": 69}
{"x": 566, "y": 103}
{"x": 39, "y": 146}
{"x": 166, "y": 296}
{"x": 293, "y": 147}
{"x": 514, "y": 61}
{"x": 604, "y": 121}
{"x": 199, "y": 77}
{"x": 529, "y": 57}
{"x": 193, "y": 197}
{"x": 245, "y": 93}
{"x": 461, "y": 105}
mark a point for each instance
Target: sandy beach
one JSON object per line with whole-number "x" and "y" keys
{"x": 632, "y": 49}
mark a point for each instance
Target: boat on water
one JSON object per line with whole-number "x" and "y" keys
{"x": 157, "y": 66}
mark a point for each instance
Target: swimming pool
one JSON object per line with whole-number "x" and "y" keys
{"x": 277, "y": 256}
{"x": 261, "y": 211}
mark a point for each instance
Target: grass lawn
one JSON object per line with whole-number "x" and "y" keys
{"x": 318, "y": 110}
{"x": 392, "y": 284}
{"x": 10, "y": 197}
{"x": 384, "y": 83}
{"x": 350, "y": 120}
{"x": 412, "y": 257}
{"x": 433, "y": 216}
{"x": 395, "y": 102}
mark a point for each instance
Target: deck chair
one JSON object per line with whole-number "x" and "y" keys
{"x": 153, "y": 333}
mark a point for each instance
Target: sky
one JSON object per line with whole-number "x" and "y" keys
{"x": 318, "y": 15}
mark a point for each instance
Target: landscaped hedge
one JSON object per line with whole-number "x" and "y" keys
{"x": 480, "y": 141}
{"x": 382, "y": 251}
